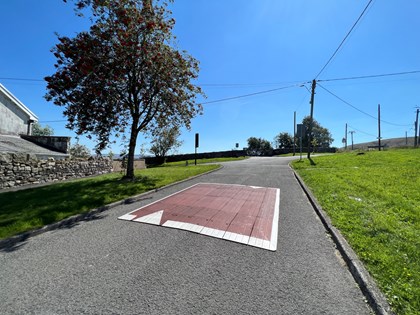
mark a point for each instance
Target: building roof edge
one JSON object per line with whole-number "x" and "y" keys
{"x": 18, "y": 103}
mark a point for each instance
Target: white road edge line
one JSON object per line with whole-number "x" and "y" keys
{"x": 275, "y": 226}
{"x": 127, "y": 217}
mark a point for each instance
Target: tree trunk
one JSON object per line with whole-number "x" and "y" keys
{"x": 131, "y": 150}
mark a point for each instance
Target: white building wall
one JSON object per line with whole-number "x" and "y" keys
{"x": 14, "y": 116}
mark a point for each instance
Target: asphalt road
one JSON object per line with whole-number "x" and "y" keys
{"x": 110, "y": 266}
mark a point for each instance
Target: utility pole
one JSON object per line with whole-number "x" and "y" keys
{"x": 294, "y": 133}
{"x": 416, "y": 127}
{"x": 379, "y": 127}
{"x": 345, "y": 138}
{"x": 311, "y": 119}
{"x": 352, "y": 132}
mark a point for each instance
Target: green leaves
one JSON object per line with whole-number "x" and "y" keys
{"x": 321, "y": 135}
{"x": 165, "y": 140}
{"x": 38, "y": 130}
{"x": 259, "y": 146}
{"x": 123, "y": 74}
{"x": 283, "y": 140}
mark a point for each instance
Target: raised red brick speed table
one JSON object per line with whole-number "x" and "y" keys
{"x": 243, "y": 214}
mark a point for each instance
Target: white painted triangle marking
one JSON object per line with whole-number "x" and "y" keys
{"x": 153, "y": 218}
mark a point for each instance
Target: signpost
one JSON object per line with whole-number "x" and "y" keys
{"x": 196, "y": 146}
{"x": 301, "y": 130}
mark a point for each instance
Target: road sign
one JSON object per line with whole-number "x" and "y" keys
{"x": 197, "y": 144}
{"x": 301, "y": 130}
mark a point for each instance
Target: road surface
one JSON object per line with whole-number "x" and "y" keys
{"x": 110, "y": 266}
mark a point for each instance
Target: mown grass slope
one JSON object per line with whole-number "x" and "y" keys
{"x": 33, "y": 208}
{"x": 374, "y": 199}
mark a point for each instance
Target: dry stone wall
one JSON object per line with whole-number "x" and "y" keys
{"x": 23, "y": 169}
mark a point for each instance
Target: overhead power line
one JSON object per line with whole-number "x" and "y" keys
{"x": 347, "y": 103}
{"x": 366, "y": 133}
{"x": 371, "y": 76}
{"x": 272, "y": 90}
{"x": 247, "y": 95}
{"x": 51, "y": 121}
{"x": 245, "y": 84}
{"x": 23, "y": 79}
{"x": 342, "y": 42}
{"x": 307, "y": 81}
{"x": 265, "y": 84}
{"x": 359, "y": 110}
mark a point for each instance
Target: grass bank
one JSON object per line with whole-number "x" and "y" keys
{"x": 205, "y": 161}
{"x": 374, "y": 199}
{"x": 33, "y": 208}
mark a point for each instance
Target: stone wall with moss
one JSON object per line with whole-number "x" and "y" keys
{"x": 24, "y": 169}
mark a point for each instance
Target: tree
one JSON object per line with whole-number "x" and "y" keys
{"x": 79, "y": 151}
{"x": 283, "y": 140}
{"x": 164, "y": 141}
{"x": 123, "y": 76}
{"x": 259, "y": 146}
{"x": 38, "y": 130}
{"x": 321, "y": 136}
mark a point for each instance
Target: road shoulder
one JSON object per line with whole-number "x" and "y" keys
{"x": 374, "y": 296}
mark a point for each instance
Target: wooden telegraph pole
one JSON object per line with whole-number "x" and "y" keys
{"x": 345, "y": 137}
{"x": 352, "y": 132}
{"x": 311, "y": 119}
{"x": 379, "y": 127}
{"x": 416, "y": 127}
{"x": 294, "y": 133}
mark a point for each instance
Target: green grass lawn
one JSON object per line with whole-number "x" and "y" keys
{"x": 28, "y": 209}
{"x": 374, "y": 200}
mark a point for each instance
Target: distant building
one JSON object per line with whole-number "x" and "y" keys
{"x": 16, "y": 122}
{"x": 15, "y": 118}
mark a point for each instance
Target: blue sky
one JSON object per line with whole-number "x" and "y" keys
{"x": 248, "y": 46}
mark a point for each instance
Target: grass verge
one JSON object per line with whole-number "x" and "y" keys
{"x": 205, "y": 161}
{"x": 33, "y": 208}
{"x": 373, "y": 198}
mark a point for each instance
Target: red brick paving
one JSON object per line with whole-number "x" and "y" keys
{"x": 244, "y": 214}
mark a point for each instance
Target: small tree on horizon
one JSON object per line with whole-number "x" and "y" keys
{"x": 79, "y": 151}
{"x": 259, "y": 146}
{"x": 124, "y": 75}
{"x": 164, "y": 141}
{"x": 321, "y": 135}
{"x": 283, "y": 140}
{"x": 38, "y": 130}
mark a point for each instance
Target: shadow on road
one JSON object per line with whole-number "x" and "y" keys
{"x": 19, "y": 241}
